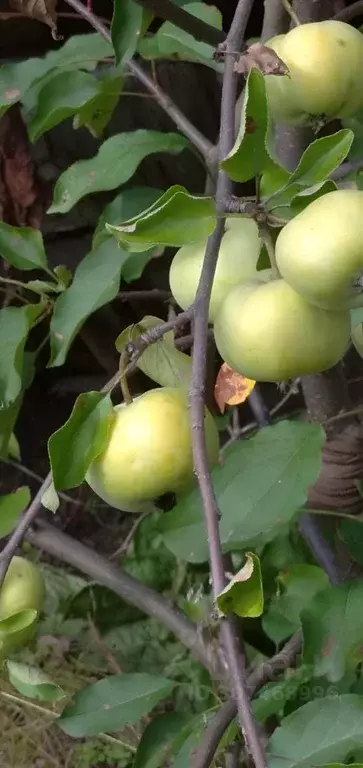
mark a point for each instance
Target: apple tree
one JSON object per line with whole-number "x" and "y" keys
{"x": 265, "y": 267}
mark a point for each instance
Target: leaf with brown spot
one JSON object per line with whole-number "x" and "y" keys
{"x": 263, "y": 58}
{"x": 231, "y": 388}
{"x": 41, "y": 10}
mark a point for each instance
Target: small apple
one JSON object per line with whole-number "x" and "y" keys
{"x": 22, "y": 590}
{"x": 237, "y": 261}
{"x": 325, "y": 62}
{"x": 149, "y": 451}
{"x": 269, "y": 332}
{"x": 320, "y": 252}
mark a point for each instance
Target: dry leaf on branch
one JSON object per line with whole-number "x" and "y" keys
{"x": 231, "y": 388}
{"x": 261, "y": 57}
{"x": 42, "y": 10}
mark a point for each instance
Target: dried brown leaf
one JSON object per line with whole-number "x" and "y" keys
{"x": 42, "y": 10}
{"x": 231, "y": 388}
{"x": 261, "y": 57}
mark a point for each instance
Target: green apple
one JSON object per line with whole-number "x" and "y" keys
{"x": 149, "y": 451}
{"x": 237, "y": 261}
{"x": 320, "y": 251}
{"x": 325, "y": 62}
{"x": 22, "y": 590}
{"x": 269, "y": 332}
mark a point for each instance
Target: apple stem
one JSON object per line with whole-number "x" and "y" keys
{"x": 124, "y": 360}
{"x": 267, "y": 240}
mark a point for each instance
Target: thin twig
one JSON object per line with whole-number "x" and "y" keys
{"x": 98, "y": 568}
{"x": 344, "y": 415}
{"x": 320, "y": 547}
{"x": 352, "y": 166}
{"x": 124, "y": 546}
{"x": 152, "y": 294}
{"x": 267, "y": 671}
{"x": 204, "y": 146}
{"x": 235, "y": 659}
{"x": 40, "y": 479}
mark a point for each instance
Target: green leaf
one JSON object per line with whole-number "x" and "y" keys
{"x": 125, "y": 29}
{"x": 15, "y": 323}
{"x": 96, "y": 282}
{"x": 17, "y": 622}
{"x": 273, "y": 696}
{"x": 81, "y": 52}
{"x": 297, "y": 589}
{"x": 318, "y": 161}
{"x": 333, "y": 629}
{"x": 15, "y": 79}
{"x": 8, "y": 417}
{"x": 129, "y": 203}
{"x": 96, "y": 113}
{"x": 33, "y": 682}
{"x": 254, "y": 505}
{"x": 351, "y": 532}
{"x": 251, "y": 155}
{"x": 244, "y": 593}
{"x": 76, "y": 444}
{"x": 50, "y": 499}
{"x": 162, "y": 362}
{"x": 116, "y": 161}
{"x": 14, "y": 447}
{"x": 175, "y": 219}
{"x": 113, "y": 702}
{"x": 63, "y": 275}
{"x": 328, "y": 729}
{"x": 43, "y": 287}
{"x": 22, "y": 247}
{"x": 170, "y": 41}
{"x": 65, "y": 94}
{"x": 322, "y": 157}
{"x": 11, "y": 507}
{"x": 307, "y": 196}
{"x": 162, "y": 737}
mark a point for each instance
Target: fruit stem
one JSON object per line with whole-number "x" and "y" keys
{"x": 270, "y": 248}
{"x": 124, "y": 359}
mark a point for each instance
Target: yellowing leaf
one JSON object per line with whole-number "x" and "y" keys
{"x": 231, "y": 388}
{"x": 244, "y": 593}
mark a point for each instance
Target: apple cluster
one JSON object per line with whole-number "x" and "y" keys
{"x": 272, "y": 328}
{"x": 269, "y": 325}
